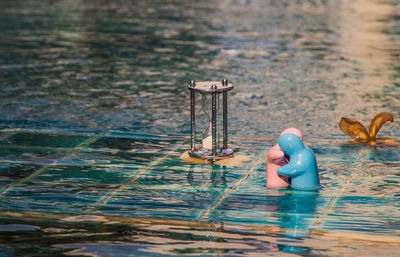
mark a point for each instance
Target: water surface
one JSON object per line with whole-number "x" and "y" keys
{"x": 94, "y": 114}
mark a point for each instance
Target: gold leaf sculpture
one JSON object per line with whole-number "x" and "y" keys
{"x": 356, "y": 130}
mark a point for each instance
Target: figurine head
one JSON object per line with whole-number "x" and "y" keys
{"x": 294, "y": 131}
{"x": 290, "y": 143}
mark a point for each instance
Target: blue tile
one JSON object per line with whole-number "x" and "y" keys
{"x": 11, "y": 173}
{"x": 44, "y": 140}
{"x": 70, "y": 188}
{"x": 355, "y": 223}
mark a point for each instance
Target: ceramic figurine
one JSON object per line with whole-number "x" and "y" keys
{"x": 356, "y": 130}
{"x": 302, "y": 166}
{"x": 276, "y": 158}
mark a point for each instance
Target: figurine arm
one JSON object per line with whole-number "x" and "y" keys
{"x": 275, "y": 155}
{"x": 289, "y": 170}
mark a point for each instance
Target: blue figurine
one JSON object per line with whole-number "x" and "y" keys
{"x": 302, "y": 166}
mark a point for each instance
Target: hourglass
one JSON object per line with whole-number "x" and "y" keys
{"x": 211, "y": 148}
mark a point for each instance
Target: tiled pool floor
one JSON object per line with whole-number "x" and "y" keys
{"x": 140, "y": 180}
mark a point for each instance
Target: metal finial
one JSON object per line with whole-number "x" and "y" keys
{"x": 192, "y": 83}
{"x": 214, "y": 86}
{"x": 225, "y": 82}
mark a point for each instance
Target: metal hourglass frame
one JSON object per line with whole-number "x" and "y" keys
{"x": 214, "y": 88}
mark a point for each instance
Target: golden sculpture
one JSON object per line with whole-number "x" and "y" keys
{"x": 356, "y": 130}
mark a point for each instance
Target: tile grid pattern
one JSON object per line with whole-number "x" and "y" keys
{"x": 336, "y": 197}
{"x": 44, "y": 167}
{"x": 256, "y": 163}
{"x": 104, "y": 200}
{"x": 158, "y": 163}
{"x": 142, "y": 171}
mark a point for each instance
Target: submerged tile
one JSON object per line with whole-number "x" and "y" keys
{"x": 384, "y": 154}
{"x": 44, "y": 140}
{"x": 298, "y": 223}
{"x": 84, "y": 175}
{"x": 12, "y": 172}
{"x": 279, "y": 202}
{"x": 375, "y": 186}
{"x": 355, "y": 223}
{"x": 372, "y": 169}
{"x": 332, "y": 152}
{"x": 33, "y": 155}
{"x": 159, "y": 202}
{"x": 132, "y": 144}
{"x": 66, "y": 188}
{"x": 366, "y": 206}
{"x": 113, "y": 157}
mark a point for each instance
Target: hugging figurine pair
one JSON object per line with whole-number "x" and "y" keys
{"x": 290, "y": 163}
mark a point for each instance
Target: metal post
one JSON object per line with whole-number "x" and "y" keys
{"x": 225, "y": 114}
{"x": 192, "y": 117}
{"x": 225, "y": 119}
{"x": 214, "y": 122}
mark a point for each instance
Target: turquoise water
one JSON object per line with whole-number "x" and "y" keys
{"x": 94, "y": 115}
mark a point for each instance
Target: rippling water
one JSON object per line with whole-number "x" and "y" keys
{"x": 94, "y": 114}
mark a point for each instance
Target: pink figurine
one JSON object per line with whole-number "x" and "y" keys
{"x": 276, "y": 158}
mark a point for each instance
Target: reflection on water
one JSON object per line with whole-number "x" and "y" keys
{"x": 296, "y": 207}
{"x": 109, "y": 77}
{"x": 197, "y": 177}
{"x": 163, "y": 238}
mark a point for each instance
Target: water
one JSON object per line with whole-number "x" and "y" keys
{"x": 94, "y": 114}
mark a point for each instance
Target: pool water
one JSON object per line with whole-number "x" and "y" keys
{"x": 94, "y": 116}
